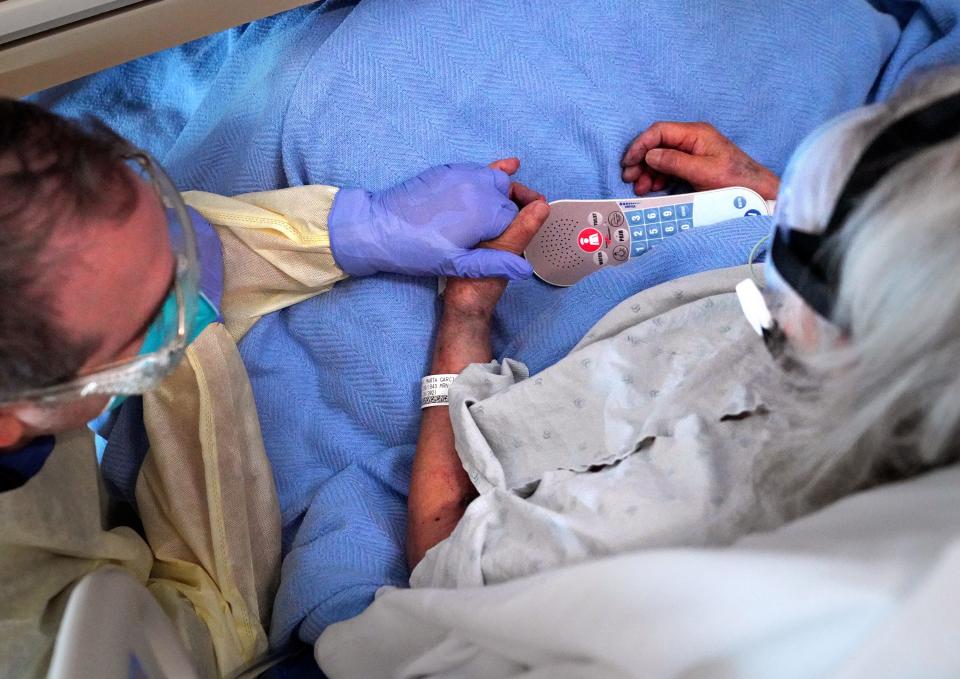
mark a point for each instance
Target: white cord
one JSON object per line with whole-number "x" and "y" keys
{"x": 753, "y": 255}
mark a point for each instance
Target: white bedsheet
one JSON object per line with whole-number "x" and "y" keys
{"x": 867, "y": 588}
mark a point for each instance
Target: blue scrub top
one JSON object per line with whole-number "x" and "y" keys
{"x": 17, "y": 468}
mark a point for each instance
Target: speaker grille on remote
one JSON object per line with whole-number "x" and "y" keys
{"x": 557, "y": 243}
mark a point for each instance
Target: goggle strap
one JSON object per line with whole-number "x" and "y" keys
{"x": 800, "y": 262}
{"x": 909, "y": 136}
{"x": 800, "y": 257}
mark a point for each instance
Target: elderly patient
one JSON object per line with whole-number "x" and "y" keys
{"x": 111, "y": 287}
{"x": 672, "y": 422}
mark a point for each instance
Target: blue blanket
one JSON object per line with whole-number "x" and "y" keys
{"x": 371, "y": 94}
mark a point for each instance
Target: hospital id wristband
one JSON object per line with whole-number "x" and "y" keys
{"x": 435, "y": 389}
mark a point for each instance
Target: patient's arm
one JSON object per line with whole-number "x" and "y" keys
{"x": 696, "y": 153}
{"x": 439, "y": 487}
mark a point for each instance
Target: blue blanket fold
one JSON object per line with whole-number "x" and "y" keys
{"x": 366, "y": 96}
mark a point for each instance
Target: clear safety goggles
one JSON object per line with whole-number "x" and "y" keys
{"x": 172, "y": 325}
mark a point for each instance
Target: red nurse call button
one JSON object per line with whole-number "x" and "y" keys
{"x": 590, "y": 240}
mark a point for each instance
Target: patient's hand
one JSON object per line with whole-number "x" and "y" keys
{"x": 479, "y": 296}
{"x": 696, "y": 153}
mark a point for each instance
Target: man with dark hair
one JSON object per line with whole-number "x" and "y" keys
{"x": 112, "y": 286}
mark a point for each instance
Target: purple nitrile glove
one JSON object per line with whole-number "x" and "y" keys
{"x": 428, "y": 226}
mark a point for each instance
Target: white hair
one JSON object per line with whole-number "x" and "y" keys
{"x": 888, "y": 403}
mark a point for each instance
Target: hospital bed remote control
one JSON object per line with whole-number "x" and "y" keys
{"x": 583, "y": 236}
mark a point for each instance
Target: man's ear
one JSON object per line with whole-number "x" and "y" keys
{"x": 11, "y": 429}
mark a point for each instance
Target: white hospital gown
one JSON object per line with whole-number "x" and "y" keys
{"x": 646, "y": 435}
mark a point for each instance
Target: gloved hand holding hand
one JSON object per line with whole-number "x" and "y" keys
{"x": 696, "y": 153}
{"x": 477, "y": 297}
{"x": 430, "y": 224}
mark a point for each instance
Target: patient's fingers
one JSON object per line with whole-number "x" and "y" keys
{"x": 508, "y": 165}
{"x": 660, "y": 181}
{"x": 650, "y": 180}
{"x": 682, "y": 136}
{"x": 524, "y": 195}
{"x": 524, "y": 227}
{"x": 632, "y": 173}
{"x": 696, "y": 170}
{"x": 644, "y": 185}
{"x": 518, "y": 193}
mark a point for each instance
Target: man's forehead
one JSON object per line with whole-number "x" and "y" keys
{"x": 114, "y": 272}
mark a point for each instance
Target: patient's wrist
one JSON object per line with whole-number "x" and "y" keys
{"x": 472, "y": 297}
{"x": 467, "y": 315}
{"x": 462, "y": 338}
{"x": 768, "y": 184}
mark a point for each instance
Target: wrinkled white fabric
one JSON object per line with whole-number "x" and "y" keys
{"x": 864, "y": 589}
{"x": 612, "y": 486}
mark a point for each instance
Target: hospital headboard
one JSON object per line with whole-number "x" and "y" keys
{"x": 48, "y": 42}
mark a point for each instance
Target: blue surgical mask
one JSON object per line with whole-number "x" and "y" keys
{"x": 205, "y": 314}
